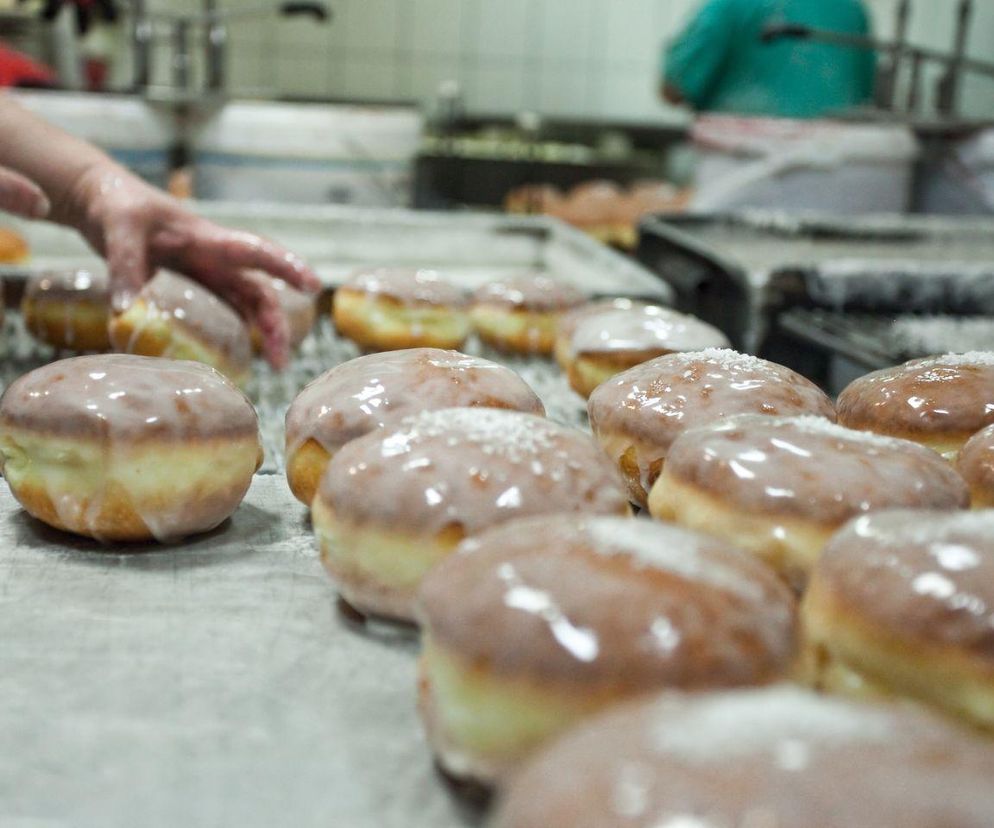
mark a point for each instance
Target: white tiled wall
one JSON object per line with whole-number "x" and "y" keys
{"x": 583, "y": 58}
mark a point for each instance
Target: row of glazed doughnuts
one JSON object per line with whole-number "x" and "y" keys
{"x": 541, "y": 619}
{"x": 485, "y": 708}
{"x": 172, "y": 317}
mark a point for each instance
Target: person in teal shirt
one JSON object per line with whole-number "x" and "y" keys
{"x": 721, "y": 64}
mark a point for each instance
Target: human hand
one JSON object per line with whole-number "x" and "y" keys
{"x": 139, "y": 229}
{"x": 21, "y": 196}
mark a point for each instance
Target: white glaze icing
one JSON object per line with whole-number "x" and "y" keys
{"x": 408, "y": 286}
{"x": 470, "y": 467}
{"x": 108, "y": 405}
{"x": 643, "y": 328}
{"x": 364, "y": 394}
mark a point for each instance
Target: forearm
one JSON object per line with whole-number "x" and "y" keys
{"x": 52, "y": 158}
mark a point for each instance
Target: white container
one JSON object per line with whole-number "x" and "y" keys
{"x": 128, "y": 129}
{"x": 819, "y": 166}
{"x": 307, "y": 153}
{"x": 959, "y": 177}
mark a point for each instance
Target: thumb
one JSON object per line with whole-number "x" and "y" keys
{"x": 127, "y": 262}
{"x": 21, "y": 196}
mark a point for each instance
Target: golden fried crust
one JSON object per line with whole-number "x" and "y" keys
{"x": 13, "y": 247}
{"x": 112, "y": 517}
{"x": 76, "y": 325}
{"x": 414, "y": 333}
{"x": 304, "y": 469}
{"x": 586, "y": 372}
{"x": 515, "y": 330}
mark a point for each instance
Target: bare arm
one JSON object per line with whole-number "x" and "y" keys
{"x": 138, "y": 228}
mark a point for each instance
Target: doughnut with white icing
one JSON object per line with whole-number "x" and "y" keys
{"x": 775, "y": 757}
{"x": 519, "y": 314}
{"x": 611, "y": 340}
{"x": 367, "y": 393}
{"x": 128, "y": 448}
{"x": 395, "y": 502}
{"x": 638, "y": 414}
{"x": 391, "y": 308}
{"x": 537, "y": 623}
{"x": 69, "y": 309}
{"x": 939, "y": 401}
{"x": 902, "y": 603}
{"x": 781, "y": 486}
{"x": 177, "y": 318}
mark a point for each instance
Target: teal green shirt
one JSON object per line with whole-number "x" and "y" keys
{"x": 720, "y": 64}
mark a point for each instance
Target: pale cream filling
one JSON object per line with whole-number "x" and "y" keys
{"x": 180, "y": 343}
{"x": 485, "y": 720}
{"x": 790, "y": 545}
{"x": 384, "y": 319}
{"x": 391, "y": 559}
{"x": 76, "y": 472}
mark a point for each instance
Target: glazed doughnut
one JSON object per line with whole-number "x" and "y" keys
{"x": 637, "y": 415}
{"x": 126, "y": 448}
{"x": 519, "y": 314}
{"x": 781, "y": 486}
{"x": 775, "y": 757}
{"x": 395, "y": 502}
{"x": 567, "y": 322}
{"x": 365, "y": 394}
{"x": 300, "y": 311}
{"x": 902, "y": 603}
{"x": 608, "y": 342}
{"x": 13, "y": 247}
{"x": 177, "y": 318}
{"x": 392, "y": 308}
{"x": 69, "y": 309}
{"x": 976, "y": 464}
{"x": 939, "y": 402}
{"x": 537, "y": 623}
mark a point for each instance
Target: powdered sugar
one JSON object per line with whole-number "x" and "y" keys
{"x": 784, "y": 721}
{"x": 984, "y": 359}
{"x": 671, "y": 549}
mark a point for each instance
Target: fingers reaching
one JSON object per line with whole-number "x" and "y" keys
{"x": 253, "y": 295}
{"x": 246, "y": 250}
{"x": 21, "y": 196}
{"x": 127, "y": 261}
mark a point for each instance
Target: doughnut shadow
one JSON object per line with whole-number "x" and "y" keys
{"x": 237, "y": 537}
{"x": 385, "y": 631}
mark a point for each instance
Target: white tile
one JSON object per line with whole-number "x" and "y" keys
{"x": 305, "y": 77}
{"x": 436, "y": 27}
{"x": 495, "y": 87}
{"x": 566, "y": 29}
{"x": 564, "y": 90}
{"x": 370, "y": 26}
{"x": 624, "y": 94}
{"x": 630, "y": 30}
{"x": 249, "y": 72}
{"x": 506, "y": 29}
{"x": 427, "y": 74}
{"x": 371, "y": 79}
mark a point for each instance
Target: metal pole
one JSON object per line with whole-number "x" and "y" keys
{"x": 949, "y": 84}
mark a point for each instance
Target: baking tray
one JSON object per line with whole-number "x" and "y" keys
{"x": 874, "y": 341}
{"x": 468, "y": 248}
{"x": 739, "y": 270}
